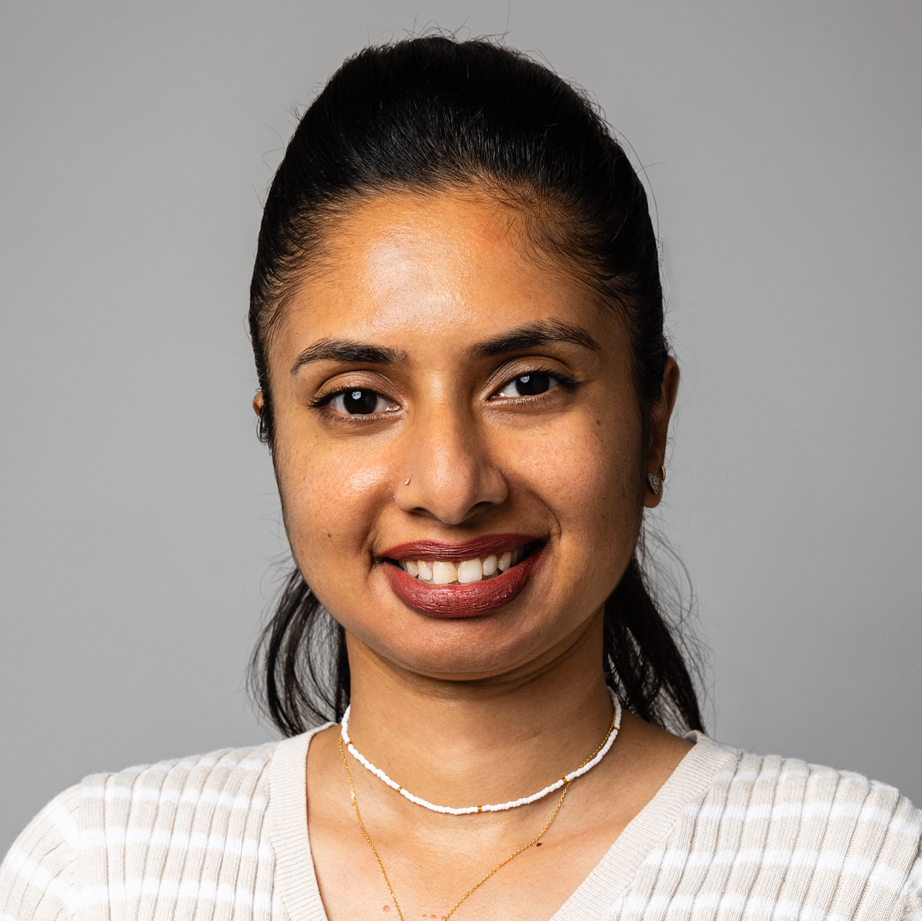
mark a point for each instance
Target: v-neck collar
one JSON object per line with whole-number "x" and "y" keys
{"x": 617, "y": 870}
{"x": 612, "y": 876}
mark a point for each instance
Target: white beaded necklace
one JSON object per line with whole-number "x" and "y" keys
{"x": 491, "y": 807}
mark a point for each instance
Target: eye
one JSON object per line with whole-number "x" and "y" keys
{"x": 532, "y": 384}
{"x": 359, "y": 402}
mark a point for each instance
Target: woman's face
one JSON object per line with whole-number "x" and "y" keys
{"x": 457, "y": 438}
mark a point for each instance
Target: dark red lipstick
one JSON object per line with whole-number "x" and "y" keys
{"x": 473, "y": 599}
{"x": 458, "y": 552}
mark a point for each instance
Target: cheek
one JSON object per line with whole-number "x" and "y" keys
{"x": 330, "y": 499}
{"x": 588, "y": 475}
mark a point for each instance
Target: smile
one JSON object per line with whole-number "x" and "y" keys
{"x": 465, "y": 580}
{"x": 445, "y": 572}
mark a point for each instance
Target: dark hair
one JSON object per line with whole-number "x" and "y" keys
{"x": 430, "y": 114}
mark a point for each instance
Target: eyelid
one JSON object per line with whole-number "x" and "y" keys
{"x": 323, "y": 402}
{"x": 345, "y": 381}
{"x": 565, "y": 381}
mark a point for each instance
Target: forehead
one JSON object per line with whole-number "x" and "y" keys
{"x": 401, "y": 262}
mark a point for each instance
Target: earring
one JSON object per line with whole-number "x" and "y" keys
{"x": 657, "y": 480}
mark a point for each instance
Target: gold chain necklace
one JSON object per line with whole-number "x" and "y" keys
{"x": 473, "y": 889}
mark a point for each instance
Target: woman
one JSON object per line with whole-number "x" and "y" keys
{"x": 457, "y": 322}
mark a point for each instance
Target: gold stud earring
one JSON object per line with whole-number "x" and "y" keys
{"x": 655, "y": 482}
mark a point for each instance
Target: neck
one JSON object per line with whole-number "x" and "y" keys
{"x": 459, "y": 743}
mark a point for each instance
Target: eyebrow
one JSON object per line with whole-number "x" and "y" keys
{"x": 348, "y": 351}
{"x": 523, "y": 337}
{"x": 535, "y": 334}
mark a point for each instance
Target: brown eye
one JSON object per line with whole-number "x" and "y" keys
{"x": 530, "y": 385}
{"x": 359, "y": 402}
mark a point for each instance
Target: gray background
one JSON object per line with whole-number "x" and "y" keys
{"x": 140, "y": 528}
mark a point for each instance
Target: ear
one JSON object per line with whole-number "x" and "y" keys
{"x": 258, "y": 403}
{"x": 659, "y": 430}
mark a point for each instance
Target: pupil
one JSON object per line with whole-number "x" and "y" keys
{"x": 530, "y": 385}
{"x": 360, "y": 402}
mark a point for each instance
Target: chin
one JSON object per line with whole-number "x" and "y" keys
{"x": 471, "y": 649}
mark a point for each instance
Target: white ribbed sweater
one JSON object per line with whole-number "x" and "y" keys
{"x": 223, "y": 837}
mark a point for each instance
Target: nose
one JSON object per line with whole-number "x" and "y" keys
{"x": 447, "y": 459}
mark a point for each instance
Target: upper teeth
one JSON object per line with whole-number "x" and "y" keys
{"x": 441, "y": 572}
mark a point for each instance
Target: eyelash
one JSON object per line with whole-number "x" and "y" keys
{"x": 564, "y": 381}
{"x": 322, "y": 402}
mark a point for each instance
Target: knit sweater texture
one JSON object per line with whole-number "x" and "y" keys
{"x": 223, "y": 837}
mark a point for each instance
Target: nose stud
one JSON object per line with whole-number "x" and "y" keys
{"x": 406, "y": 482}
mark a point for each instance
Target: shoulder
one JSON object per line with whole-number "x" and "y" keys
{"x": 232, "y": 778}
{"x": 811, "y": 830}
{"x": 772, "y": 788}
{"x": 141, "y": 820}
{"x": 36, "y": 876}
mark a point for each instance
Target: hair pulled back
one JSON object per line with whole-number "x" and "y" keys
{"x": 432, "y": 114}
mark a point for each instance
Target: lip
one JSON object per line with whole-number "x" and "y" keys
{"x": 473, "y": 599}
{"x": 458, "y": 553}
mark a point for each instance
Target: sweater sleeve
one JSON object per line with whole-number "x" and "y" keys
{"x": 37, "y": 875}
{"x": 912, "y": 892}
